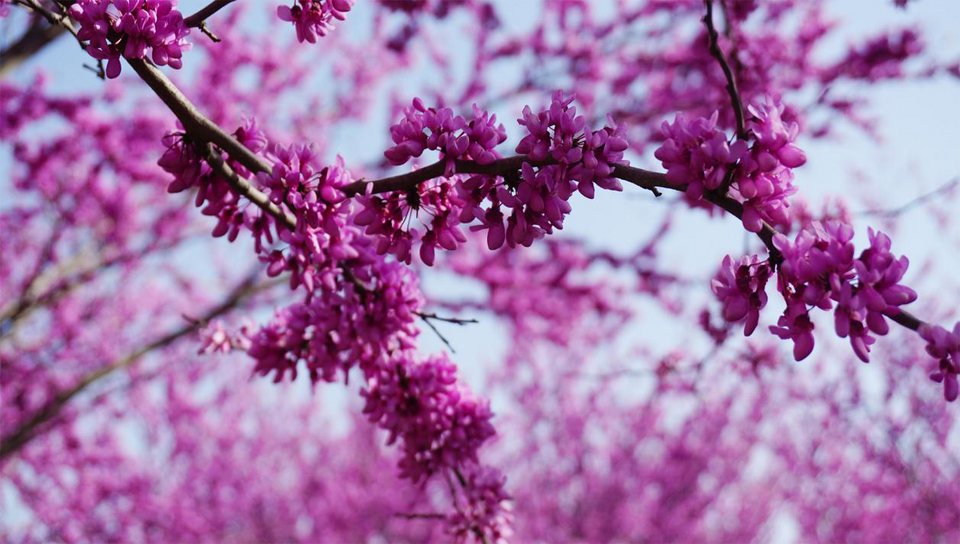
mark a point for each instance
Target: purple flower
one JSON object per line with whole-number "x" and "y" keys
{"x": 143, "y": 27}
{"x": 312, "y": 18}
{"x": 740, "y": 286}
{"x": 944, "y": 346}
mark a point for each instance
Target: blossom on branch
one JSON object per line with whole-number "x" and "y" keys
{"x": 132, "y": 28}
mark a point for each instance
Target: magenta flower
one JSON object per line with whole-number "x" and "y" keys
{"x": 313, "y": 18}
{"x": 944, "y": 346}
{"x": 139, "y": 26}
{"x": 740, "y": 287}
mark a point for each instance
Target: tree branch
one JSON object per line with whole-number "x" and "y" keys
{"x": 37, "y": 36}
{"x": 893, "y": 212}
{"x": 31, "y": 428}
{"x": 244, "y": 187}
{"x": 197, "y": 19}
{"x": 202, "y": 129}
{"x": 717, "y": 53}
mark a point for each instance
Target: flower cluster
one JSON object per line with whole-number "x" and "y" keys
{"x": 339, "y": 329}
{"x": 486, "y": 512}
{"x": 322, "y": 238}
{"x": 387, "y": 218}
{"x": 698, "y": 155}
{"x": 214, "y": 338}
{"x": 764, "y": 177}
{"x": 944, "y": 346}
{"x": 131, "y": 28}
{"x": 313, "y": 18}
{"x": 819, "y": 269}
{"x": 452, "y": 135}
{"x": 583, "y": 157}
{"x": 741, "y": 288}
{"x": 565, "y": 157}
{"x": 419, "y": 402}
{"x": 213, "y": 192}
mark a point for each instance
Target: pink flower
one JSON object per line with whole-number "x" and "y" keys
{"x": 740, "y": 286}
{"x": 312, "y": 18}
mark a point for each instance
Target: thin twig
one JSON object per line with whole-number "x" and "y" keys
{"x": 438, "y": 333}
{"x": 945, "y": 188}
{"x": 416, "y": 515}
{"x": 209, "y": 33}
{"x": 454, "y": 320}
{"x": 717, "y": 53}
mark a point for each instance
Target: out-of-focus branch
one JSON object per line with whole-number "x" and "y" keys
{"x": 51, "y": 17}
{"x": 32, "y": 428}
{"x": 38, "y": 35}
{"x": 893, "y": 212}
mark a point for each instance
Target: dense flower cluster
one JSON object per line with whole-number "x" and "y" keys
{"x": 387, "y": 218}
{"x": 452, "y": 135}
{"x": 419, "y": 402}
{"x": 696, "y": 154}
{"x": 944, "y": 346}
{"x": 323, "y": 238}
{"x": 486, "y": 509}
{"x": 359, "y": 308}
{"x": 336, "y": 330}
{"x": 565, "y": 156}
{"x": 763, "y": 176}
{"x": 819, "y": 269}
{"x": 183, "y": 161}
{"x": 132, "y": 28}
{"x": 313, "y": 18}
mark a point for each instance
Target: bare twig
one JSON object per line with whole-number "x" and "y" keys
{"x": 438, "y": 333}
{"x": 893, "y": 212}
{"x": 717, "y": 53}
{"x": 454, "y": 320}
{"x": 209, "y": 33}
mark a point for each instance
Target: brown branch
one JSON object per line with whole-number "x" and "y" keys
{"x": 197, "y": 19}
{"x": 198, "y": 127}
{"x": 244, "y": 187}
{"x": 717, "y": 53}
{"x": 36, "y": 37}
{"x": 31, "y": 428}
{"x": 202, "y": 129}
{"x": 205, "y": 132}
